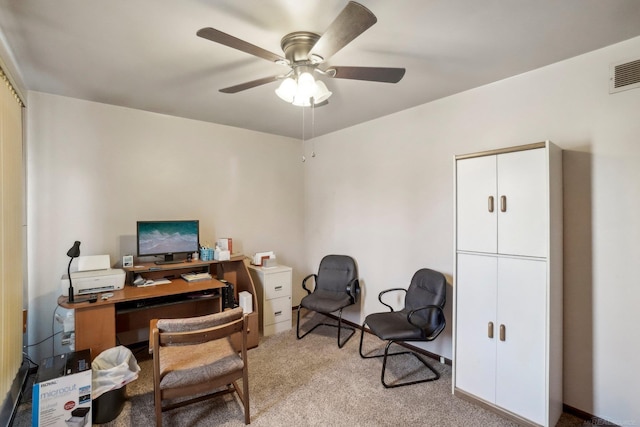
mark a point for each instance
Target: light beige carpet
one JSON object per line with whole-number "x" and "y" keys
{"x": 311, "y": 382}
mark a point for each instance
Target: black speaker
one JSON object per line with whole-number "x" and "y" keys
{"x": 228, "y": 300}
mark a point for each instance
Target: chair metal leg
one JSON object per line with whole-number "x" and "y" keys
{"x": 361, "y": 339}
{"x": 424, "y": 362}
{"x": 339, "y": 326}
{"x": 386, "y": 354}
{"x": 298, "y": 326}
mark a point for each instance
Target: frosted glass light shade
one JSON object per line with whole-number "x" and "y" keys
{"x": 303, "y": 92}
{"x": 287, "y": 89}
{"x": 306, "y": 85}
{"x": 321, "y": 93}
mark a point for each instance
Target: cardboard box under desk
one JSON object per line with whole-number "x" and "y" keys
{"x": 62, "y": 391}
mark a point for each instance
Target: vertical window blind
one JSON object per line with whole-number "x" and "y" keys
{"x": 11, "y": 233}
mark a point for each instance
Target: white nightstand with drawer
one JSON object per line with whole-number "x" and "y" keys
{"x": 273, "y": 286}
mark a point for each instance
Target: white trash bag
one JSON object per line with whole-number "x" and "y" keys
{"x": 112, "y": 369}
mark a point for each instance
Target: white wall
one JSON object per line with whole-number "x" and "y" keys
{"x": 382, "y": 192}
{"x": 95, "y": 169}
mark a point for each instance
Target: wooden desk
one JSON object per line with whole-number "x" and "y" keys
{"x": 124, "y": 318}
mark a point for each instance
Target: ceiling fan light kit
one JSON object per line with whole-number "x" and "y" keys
{"x": 303, "y": 91}
{"x": 306, "y": 53}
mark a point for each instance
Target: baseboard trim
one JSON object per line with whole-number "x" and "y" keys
{"x": 591, "y": 419}
{"x": 12, "y": 399}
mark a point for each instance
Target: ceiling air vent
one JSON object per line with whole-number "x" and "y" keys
{"x": 624, "y": 75}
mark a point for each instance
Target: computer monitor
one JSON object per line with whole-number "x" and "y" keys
{"x": 166, "y": 238}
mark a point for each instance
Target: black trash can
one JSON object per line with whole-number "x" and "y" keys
{"x": 112, "y": 370}
{"x": 108, "y": 406}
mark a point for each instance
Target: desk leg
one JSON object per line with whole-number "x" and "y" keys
{"x": 96, "y": 328}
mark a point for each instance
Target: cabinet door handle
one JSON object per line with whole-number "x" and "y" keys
{"x": 503, "y": 203}
{"x": 490, "y": 203}
{"x": 503, "y": 333}
{"x": 490, "y": 330}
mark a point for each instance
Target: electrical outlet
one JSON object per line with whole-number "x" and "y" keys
{"x": 442, "y": 359}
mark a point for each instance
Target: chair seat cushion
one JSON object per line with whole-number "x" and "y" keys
{"x": 325, "y": 301}
{"x": 393, "y": 326}
{"x": 194, "y": 364}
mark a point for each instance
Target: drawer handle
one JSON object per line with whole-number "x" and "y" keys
{"x": 278, "y": 288}
{"x": 277, "y": 313}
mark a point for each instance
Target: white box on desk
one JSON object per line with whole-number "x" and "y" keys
{"x": 61, "y": 396}
{"x": 220, "y": 255}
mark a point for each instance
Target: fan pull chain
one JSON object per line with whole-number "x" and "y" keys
{"x": 304, "y": 158}
{"x": 313, "y": 128}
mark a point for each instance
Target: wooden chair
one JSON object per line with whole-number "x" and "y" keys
{"x": 195, "y": 355}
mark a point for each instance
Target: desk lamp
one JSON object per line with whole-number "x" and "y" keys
{"x": 72, "y": 253}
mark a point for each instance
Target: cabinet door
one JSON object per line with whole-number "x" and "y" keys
{"x": 522, "y": 203}
{"x": 475, "y": 363}
{"x": 475, "y": 193}
{"x": 521, "y": 361}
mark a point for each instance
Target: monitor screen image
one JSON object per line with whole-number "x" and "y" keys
{"x": 167, "y": 238}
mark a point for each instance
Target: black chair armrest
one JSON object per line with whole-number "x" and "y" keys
{"x": 353, "y": 289}
{"x": 389, "y": 290}
{"x": 442, "y": 322}
{"x": 304, "y": 282}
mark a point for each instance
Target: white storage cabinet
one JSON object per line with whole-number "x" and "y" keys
{"x": 273, "y": 286}
{"x": 508, "y": 281}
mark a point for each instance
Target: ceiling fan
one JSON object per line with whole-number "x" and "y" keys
{"x": 306, "y": 54}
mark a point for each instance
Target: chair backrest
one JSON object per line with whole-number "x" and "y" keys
{"x": 199, "y": 329}
{"x": 428, "y": 287}
{"x": 335, "y": 272}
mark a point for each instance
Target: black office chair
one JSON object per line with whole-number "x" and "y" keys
{"x": 336, "y": 287}
{"x": 421, "y": 319}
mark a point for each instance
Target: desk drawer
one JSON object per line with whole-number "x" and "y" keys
{"x": 277, "y": 310}
{"x": 277, "y": 285}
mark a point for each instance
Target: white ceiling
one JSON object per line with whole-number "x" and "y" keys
{"x": 145, "y": 54}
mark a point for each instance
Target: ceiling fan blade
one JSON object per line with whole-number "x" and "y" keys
{"x": 373, "y": 74}
{"x": 354, "y": 20}
{"x": 249, "y": 85}
{"x": 234, "y": 42}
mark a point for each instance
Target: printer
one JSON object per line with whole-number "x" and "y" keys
{"x": 94, "y": 275}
